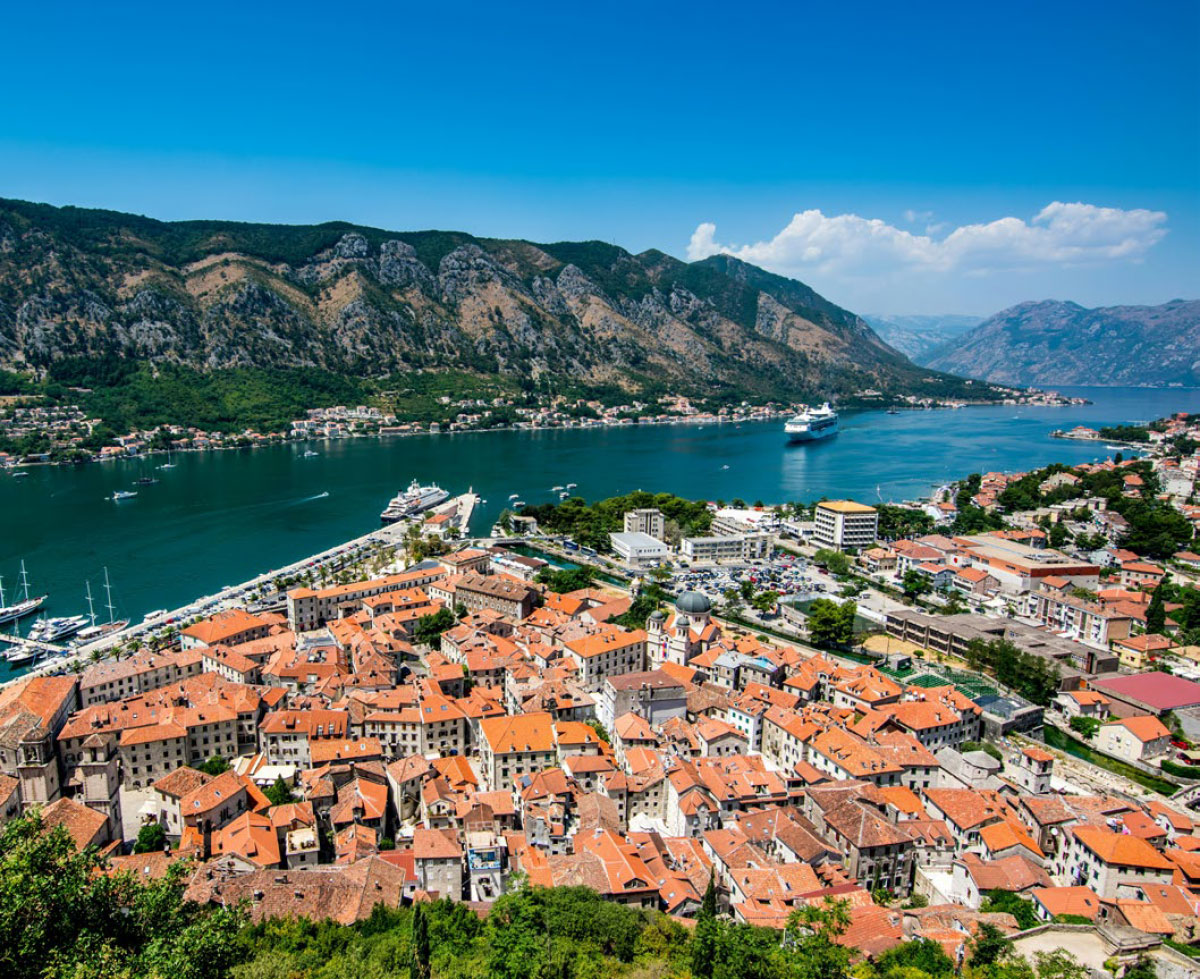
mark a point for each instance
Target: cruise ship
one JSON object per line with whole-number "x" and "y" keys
{"x": 416, "y": 499}
{"x": 812, "y": 424}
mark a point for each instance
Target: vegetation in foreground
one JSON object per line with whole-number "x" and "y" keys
{"x": 64, "y": 916}
{"x": 590, "y": 523}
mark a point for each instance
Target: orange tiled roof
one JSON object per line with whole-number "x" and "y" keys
{"x": 1119, "y": 849}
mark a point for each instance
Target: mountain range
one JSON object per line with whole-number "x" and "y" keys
{"x": 357, "y": 301}
{"x": 1052, "y": 342}
{"x": 917, "y": 336}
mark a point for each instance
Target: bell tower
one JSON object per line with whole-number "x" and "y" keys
{"x": 101, "y": 781}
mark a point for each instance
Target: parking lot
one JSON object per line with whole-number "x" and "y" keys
{"x": 791, "y": 576}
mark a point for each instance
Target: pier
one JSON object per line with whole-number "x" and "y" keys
{"x": 34, "y": 644}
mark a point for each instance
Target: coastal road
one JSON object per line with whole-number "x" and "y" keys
{"x": 235, "y": 595}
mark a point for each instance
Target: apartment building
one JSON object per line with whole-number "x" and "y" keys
{"x": 714, "y": 550}
{"x": 434, "y": 724}
{"x": 610, "y": 651}
{"x": 285, "y": 735}
{"x": 1104, "y": 860}
{"x": 116, "y": 679}
{"x": 511, "y": 747}
{"x": 1081, "y": 619}
{"x": 308, "y": 608}
{"x": 475, "y": 592}
{"x": 647, "y": 521}
{"x": 844, "y": 524}
{"x": 1020, "y": 568}
{"x": 32, "y": 714}
{"x": 1135, "y": 739}
{"x": 228, "y": 628}
{"x": 654, "y": 695}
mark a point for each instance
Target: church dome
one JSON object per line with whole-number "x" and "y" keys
{"x": 657, "y": 616}
{"x": 693, "y": 603}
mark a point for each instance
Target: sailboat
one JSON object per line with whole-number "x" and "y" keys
{"x": 27, "y": 605}
{"x": 112, "y": 625}
{"x": 168, "y": 464}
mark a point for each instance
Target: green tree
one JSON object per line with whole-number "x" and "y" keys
{"x": 989, "y": 946}
{"x": 922, "y": 954}
{"x": 429, "y": 628}
{"x": 831, "y": 623}
{"x": 1058, "y": 535}
{"x": 280, "y": 793}
{"x": 705, "y": 939}
{"x": 1008, "y": 902}
{"x": 1143, "y": 968}
{"x": 1156, "y": 612}
{"x": 564, "y": 580}
{"x": 835, "y": 562}
{"x": 216, "y": 765}
{"x": 1085, "y": 726}
{"x": 812, "y": 932}
{"x": 914, "y": 583}
{"x": 1032, "y": 676}
{"x": 898, "y": 521}
{"x": 1059, "y": 964}
{"x": 764, "y": 601}
{"x": 62, "y": 917}
{"x": 517, "y": 938}
{"x": 150, "y": 839}
{"x": 422, "y": 953}
{"x": 600, "y": 729}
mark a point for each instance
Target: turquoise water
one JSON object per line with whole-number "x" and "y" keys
{"x": 221, "y": 517}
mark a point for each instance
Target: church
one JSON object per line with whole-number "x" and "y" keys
{"x": 683, "y": 635}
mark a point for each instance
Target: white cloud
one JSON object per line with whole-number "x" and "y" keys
{"x": 850, "y": 247}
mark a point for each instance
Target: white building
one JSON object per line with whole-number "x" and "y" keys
{"x": 739, "y": 520}
{"x": 1134, "y": 739}
{"x": 843, "y": 524}
{"x": 645, "y": 521}
{"x": 638, "y": 548}
{"x": 712, "y": 550}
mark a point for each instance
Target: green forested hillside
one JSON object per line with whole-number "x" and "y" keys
{"x": 351, "y": 306}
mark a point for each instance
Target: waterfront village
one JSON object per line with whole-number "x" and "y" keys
{"x": 32, "y": 432}
{"x": 1003, "y": 742}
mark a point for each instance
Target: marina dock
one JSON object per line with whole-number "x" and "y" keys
{"x": 462, "y": 507}
{"x": 52, "y": 649}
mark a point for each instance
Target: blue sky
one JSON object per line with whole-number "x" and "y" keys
{"x": 899, "y": 158}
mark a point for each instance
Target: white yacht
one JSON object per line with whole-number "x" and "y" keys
{"x": 27, "y": 605}
{"x": 51, "y": 630}
{"x": 812, "y": 424}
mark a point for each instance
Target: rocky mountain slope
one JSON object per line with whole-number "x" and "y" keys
{"x": 78, "y": 283}
{"x": 917, "y": 336}
{"x": 1048, "y": 343}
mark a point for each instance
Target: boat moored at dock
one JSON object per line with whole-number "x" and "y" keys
{"x": 27, "y": 605}
{"x": 52, "y": 630}
{"x": 414, "y": 500}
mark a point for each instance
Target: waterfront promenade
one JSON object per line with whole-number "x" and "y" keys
{"x": 236, "y": 595}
